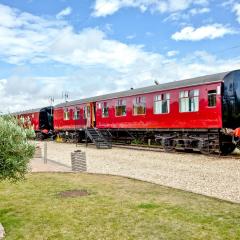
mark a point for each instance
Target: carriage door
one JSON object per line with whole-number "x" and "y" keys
{"x": 93, "y": 114}
{"x": 87, "y": 115}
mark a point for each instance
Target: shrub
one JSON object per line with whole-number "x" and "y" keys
{"x": 15, "y": 150}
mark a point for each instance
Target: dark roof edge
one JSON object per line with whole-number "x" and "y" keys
{"x": 27, "y": 111}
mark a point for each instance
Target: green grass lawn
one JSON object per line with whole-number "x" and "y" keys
{"x": 117, "y": 208}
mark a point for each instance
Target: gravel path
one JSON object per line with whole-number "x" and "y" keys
{"x": 37, "y": 165}
{"x": 216, "y": 177}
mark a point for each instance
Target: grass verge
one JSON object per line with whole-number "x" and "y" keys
{"x": 116, "y": 208}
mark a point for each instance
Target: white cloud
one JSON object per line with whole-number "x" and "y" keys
{"x": 205, "y": 32}
{"x": 196, "y": 11}
{"x": 149, "y": 34}
{"x": 108, "y": 28}
{"x": 24, "y": 36}
{"x": 92, "y": 62}
{"x": 130, "y": 37}
{"x": 172, "y": 53}
{"x": 92, "y": 46}
{"x": 176, "y": 16}
{"x": 20, "y": 92}
{"x": 27, "y": 38}
{"x": 65, "y": 12}
{"x": 236, "y": 9}
{"x": 227, "y": 3}
{"x": 108, "y": 7}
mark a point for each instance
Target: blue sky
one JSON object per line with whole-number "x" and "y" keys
{"x": 88, "y": 48}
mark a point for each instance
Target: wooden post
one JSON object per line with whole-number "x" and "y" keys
{"x": 149, "y": 142}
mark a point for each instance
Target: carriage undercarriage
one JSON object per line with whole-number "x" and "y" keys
{"x": 206, "y": 141}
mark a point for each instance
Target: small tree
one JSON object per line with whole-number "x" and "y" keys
{"x": 15, "y": 150}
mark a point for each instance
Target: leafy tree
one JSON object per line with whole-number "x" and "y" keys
{"x": 15, "y": 150}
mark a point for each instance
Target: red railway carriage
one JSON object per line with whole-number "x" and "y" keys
{"x": 74, "y": 116}
{"x": 188, "y": 114}
{"x": 154, "y": 107}
{"x": 163, "y": 109}
{"x": 194, "y": 114}
{"x": 29, "y": 118}
{"x": 40, "y": 119}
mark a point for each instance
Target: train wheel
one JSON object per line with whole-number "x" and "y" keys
{"x": 206, "y": 147}
{"x": 168, "y": 145}
{"x": 227, "y": 148}
{"x": 203, "y": 147}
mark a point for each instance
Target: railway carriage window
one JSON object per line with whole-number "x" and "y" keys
{"x": 212, "y": 98}
{"x": 194, "y": 101}
{"x": 189, "y": 101}
{"x": 184, "y": 101}
{"x": 162, "y": 103}
{"x": 105, "y": 109}
{"x": 66, "y": 114}
{"x": 86, "y": 112}
{"x": 139, "y": 106}
{"x": 76, "y": 114}
{"x": 121, "y": 107}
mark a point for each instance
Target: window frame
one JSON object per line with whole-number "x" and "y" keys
{"x": 77, "y": 109}
{"x": 190, "y": 99}
{"x": 66, "y": 110}
{"x": 86, "y": 112}
{"x": 167, "y": 98}
{"x": 136, "y": 102}
{"x": 104, "y": 107}
{"x": 213, "y": 94}
{"x": 120, "y": 105}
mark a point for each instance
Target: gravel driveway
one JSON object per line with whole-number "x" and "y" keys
{"x": 211, "y": 176}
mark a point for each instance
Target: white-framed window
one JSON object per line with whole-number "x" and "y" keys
{"x": 212, "y": 98}
{"x": 139, "y": 105}
{"x": 189, "y": 101}
{"x": 162, "y": 103}
{"x": 66, "y": 114}
{"x": 76, "y": 115}
{"x": 86, "y": 112}
{"x": 105, "y": 112}
{"x": 121, "y": 108}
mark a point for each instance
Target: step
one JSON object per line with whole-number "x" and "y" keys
{"x": 97, "y": 138}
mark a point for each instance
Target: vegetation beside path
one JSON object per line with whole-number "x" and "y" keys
{"x": 15, "y": 150}
{"x": 116, "y": 208}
